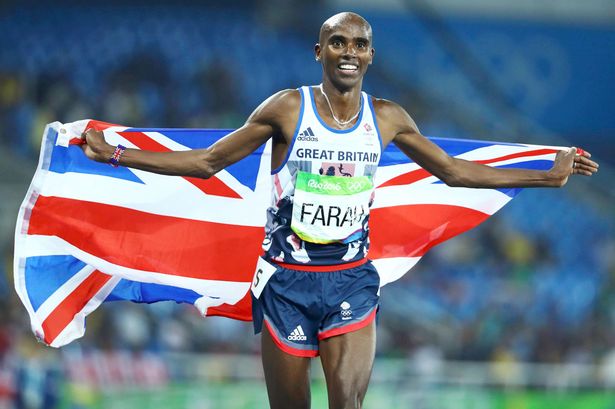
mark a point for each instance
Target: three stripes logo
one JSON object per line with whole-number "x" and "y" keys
{"x": 297, "y": 334}
{"x": 307, "y": 135}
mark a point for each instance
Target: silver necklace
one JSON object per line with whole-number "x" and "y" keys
{"x": 340, "y": 123}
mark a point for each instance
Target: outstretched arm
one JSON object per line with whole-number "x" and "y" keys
{"x": 395, "y": 122}
{"x": 265, "y": 122}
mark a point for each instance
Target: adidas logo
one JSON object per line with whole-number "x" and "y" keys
{"x": 307, "y": 135}
{"x": 297, "y": 334}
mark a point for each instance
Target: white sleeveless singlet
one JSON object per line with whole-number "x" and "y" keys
{"x": 323, "y": 191}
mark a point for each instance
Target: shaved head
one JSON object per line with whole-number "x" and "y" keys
{"x": 341, "y": 19}
{"x": 344, "y": 50}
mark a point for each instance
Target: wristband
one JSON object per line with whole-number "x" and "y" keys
{"x": 114, "y": 160}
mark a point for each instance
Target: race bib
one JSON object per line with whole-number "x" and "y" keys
{"x": 264, "y": 271}
{"x": 329, "y": 209}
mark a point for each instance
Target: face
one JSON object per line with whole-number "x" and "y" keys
{"x": 345, "y": 51}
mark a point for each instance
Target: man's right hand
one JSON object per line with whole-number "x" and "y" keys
{"x": 95, "y": 146}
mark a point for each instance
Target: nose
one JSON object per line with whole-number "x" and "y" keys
{"x": 351, "y": 49}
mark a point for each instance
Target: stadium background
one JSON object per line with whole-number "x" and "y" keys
{"x": 518, "y": 313}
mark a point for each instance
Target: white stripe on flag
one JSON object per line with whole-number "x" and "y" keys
{"x": 486, "y": 201}
{"x": 496, "y": 151}
{"x": 61, "y": 292}
{"x": 548, "y": 156}
{"x": 386, "y": 173}
{"x": 76, "y": 328}
{"x": 391, "y": 269}
{"x": 158, "y": 196}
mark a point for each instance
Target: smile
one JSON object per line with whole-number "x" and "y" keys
{"x": 348, "y": 68}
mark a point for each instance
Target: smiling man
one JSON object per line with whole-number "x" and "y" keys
{"x": 315, "y": 291}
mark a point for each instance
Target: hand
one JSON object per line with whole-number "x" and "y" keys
{"x": 95, "y": 146}
{"x": 572, "y": 161}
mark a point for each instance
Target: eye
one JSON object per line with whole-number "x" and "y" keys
{"x": 361, "y": 45}
{"x": 337, "y": 43}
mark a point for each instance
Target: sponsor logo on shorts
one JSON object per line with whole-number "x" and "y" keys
{"x": 346, "y": 311}
{"x": 297, "y": 334}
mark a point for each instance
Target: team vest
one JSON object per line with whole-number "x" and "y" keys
{"x": 323, "y": 191}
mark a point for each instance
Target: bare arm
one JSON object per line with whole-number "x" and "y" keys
{"x": 398, "y": 127}
{"x": 268, "y": 120}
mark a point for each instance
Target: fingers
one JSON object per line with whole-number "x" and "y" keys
{"x": 583, "y": 171}
{"x": 583, "y": 161}
{"x": 84, "y": 134}
{"x": 582, "y": 165}
{"x": 91, "y": 132}
{"x": 92, "y": 143}
{"x": 84, "y": 142}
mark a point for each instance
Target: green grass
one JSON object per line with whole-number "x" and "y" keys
{"x": 252, "y": 395}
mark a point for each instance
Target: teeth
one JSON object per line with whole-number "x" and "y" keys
{"x": 348, "y": 67}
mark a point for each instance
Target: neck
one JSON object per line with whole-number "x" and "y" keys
{"x": 341, "y": 93}
{"x": 345, "y": 102}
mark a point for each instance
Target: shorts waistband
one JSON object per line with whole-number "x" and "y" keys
{"x": 322, "y": 269}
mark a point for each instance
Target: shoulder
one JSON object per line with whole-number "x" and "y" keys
{"x": 280, "y": 111}
{"x": 285, "y": 99}
{"x": 386, "y": 107}
{"x": 393, "y": 119}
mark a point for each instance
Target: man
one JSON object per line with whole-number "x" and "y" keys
{"x": 314, "y": 290}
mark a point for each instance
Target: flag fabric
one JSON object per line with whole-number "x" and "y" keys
{"x": 88, "y": 233}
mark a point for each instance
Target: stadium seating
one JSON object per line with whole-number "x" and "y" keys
{"x": 174, "y": 66}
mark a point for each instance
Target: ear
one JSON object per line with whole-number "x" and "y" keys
{"x": 371, "y": 55}
{"x": 317, "y": 51}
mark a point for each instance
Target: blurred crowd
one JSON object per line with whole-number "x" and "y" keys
{"x": 138, "y": 92}
{"x": 520, "y": 288}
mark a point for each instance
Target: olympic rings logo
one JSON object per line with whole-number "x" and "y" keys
{"x": 356, "y": 185}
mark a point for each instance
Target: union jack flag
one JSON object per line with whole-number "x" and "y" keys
{"x": 88, "y": 233}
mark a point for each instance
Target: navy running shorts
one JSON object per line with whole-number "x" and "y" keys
{"x": 300, "y": 308}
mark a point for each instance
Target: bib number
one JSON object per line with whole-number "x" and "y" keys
{"x": 264, "y": 271}
{"x": 328, "y": 209}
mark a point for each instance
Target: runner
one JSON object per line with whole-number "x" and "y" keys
{"x": 315, "y": 292}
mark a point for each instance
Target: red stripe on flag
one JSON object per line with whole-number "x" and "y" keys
{"x": 424, "y": 226}
{"x": 419, "y": 174}
{"x": 537, "y": 152}
{"x": 150, "y": 242}
{"x": 99, "y": 125}
{"x": 242, "y": 310}
{"x": 211, "y": 186}
{"x": 407, "y": 178}
{"x": 64, "y": 313}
